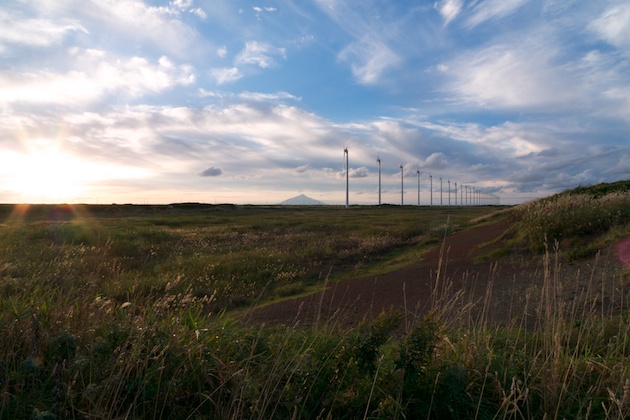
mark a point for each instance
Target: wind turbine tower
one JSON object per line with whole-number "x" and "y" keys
{"x": 418, "y": 173}
{"x": 449, "y": 192}
{"x": 402, "y": 190}
{"x": 456, "y": 193}
{"x": 345, "y": 152}
{"x": 378, "y": 159}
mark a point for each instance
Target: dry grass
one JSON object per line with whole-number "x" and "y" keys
{"x": 113, "y": 345}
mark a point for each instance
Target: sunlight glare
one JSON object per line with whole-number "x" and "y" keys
{"x": 49, "y": 176}
{"x": 45, "y": 175}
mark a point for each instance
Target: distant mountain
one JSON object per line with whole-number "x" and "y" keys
{"x": 302, "y": 200}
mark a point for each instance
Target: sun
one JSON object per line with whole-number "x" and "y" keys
{"x": 44, "y": 175}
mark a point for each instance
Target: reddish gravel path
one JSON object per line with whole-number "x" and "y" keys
{"x": 623, "y": 252}
{"x": 407, "y": 290}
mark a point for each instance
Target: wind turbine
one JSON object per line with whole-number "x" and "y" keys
{"x": 456, "y": 193}
{"x": 431, "y": 187}
{"x": 402, "y": 190}
{"x": 449, "y": 192}
{"x": 418, "y": 173}
{"x": 345, "y": 152}
{"x": 440, "y": 191}
{"x": 378, "y": 159}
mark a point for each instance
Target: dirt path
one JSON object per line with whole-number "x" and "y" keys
{"x": 448, "y": 267}
{"x": 507, "y": 292}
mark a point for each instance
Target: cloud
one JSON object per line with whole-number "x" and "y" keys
{"x": 375, "y": 38}
{"x": 226, "y": 75}
{"x": 612, "y": 26}
{"x": 199, "y": 12}
{"x": 622, "y": 167}
{"x": 158, "y": 26}
{"x": 449, "y": 9}
{"x": 436, "y": 161}
{"x": 492, "y": 10}
{"x": 258, "y": 53}
{"x": 302, "y": 169}
{"x": 266, "y": 97}
{"x": 369, "y": 58}
{"x": 95, "y": 76}
{"x": 182, "y": 4}
{"x": 249, "y": 96}
{"x": 361, "y": 172}
{"x": 211, "y": 172}
{"x": 511, "y": 76}
{"x": 178, "y": 139}
{"x": 34, "y": 32}
{"x": 259, "y": 10}
{"x": 533, "y": 68}
{"x": 263, "y": 141}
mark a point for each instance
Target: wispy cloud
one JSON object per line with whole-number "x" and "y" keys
{"x": 267, "y": 97}
{"x": 369, "y": 58}
{"x": 302, "y": 169}
{"x": 514, "y": 76}
{"x": 259, "y": 53}
{"x": 370, "y": 53}
{"x": 449, "y": 9}
{"x": 34, "y": 32}
{"x": 487, "y": 10}
{"x": 260, "y": 10}
{"x": 226, "y": 75}
{"x": 612, "y": 26}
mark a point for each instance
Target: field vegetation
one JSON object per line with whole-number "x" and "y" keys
{"x": 131, "y": 312}
{"x": 583, "y": 220}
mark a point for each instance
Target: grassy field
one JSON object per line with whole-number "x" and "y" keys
{"x": 124, "y": 312}
{"x": 238, "y": 254}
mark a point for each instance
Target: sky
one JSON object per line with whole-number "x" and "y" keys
{"x": 248, "y": 102}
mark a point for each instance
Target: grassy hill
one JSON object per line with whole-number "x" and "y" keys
{"x": 581, "y": 221}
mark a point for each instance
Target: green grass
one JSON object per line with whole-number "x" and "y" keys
{"x": 123, "y": 312}
{"x": 494, "y": 255}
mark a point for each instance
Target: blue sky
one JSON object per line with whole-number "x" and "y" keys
{"x": 238, "y": 101}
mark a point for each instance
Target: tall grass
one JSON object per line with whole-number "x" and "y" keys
{"x": 579, "y": 221}
{"x": 81, "y": 355}
{"x": 86, "y": 336}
